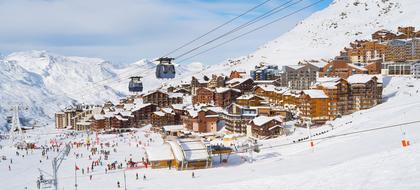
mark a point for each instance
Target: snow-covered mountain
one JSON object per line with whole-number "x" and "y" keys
{"x": 326, "y": 32}
{"x": 42, "y": 82}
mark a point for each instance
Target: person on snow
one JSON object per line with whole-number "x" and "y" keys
{"x": 193, "y": 175}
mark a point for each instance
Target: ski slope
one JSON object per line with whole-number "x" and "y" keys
{"x": 368, "y": 160}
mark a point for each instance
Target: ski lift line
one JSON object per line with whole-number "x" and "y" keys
{"x": 216, "y": 28}
{"x": 344, "y": 134}
{"x": 251, "y": 31}
{"x": 117, "y": 78}
{"x": 256, "y": 19}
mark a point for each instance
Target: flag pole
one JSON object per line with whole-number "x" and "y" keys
{"x": 75, "y": 176}
{"x": 125, "y": 182}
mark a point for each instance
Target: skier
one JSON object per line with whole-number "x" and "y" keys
{"x": 118, "y": 184}
{"x": 90, "y": 177}
{"x": 192, "y": 175}
{"x": 137, "y": 176}
{"x": 144, "y": 177}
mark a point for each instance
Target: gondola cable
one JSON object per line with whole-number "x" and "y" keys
{"x": 251, "y": 31}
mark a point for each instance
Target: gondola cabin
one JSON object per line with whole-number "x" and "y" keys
{"x": 165, "y": 68}
{"x": 135, "y": 85}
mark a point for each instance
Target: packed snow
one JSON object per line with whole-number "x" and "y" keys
{"x": 353, "y": 152}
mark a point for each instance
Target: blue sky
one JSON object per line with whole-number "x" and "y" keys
{"x": 124, "y": 31}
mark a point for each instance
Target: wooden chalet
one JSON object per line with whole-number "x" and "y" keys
{"x": 237, "y": 117}
{"x": 342, "y": 69}
{"x": 366, "y": 91}
{"x": 314, "y": 104}
{"x": 249, "y": 100}
{"x": 339, "y": 96}
{"x": 267, "y": 127}
{"x": 223, "y": 96}
{"x": 165, "y": 116}
{"x": 203, "y": 96}
{"x": 202, "y": 121}
{"x": 242, "y": 84}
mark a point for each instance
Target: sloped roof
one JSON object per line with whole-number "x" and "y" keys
{"x": 224, "y": 89}
{"x": 359, "y": 78}
{"x": 248, "y": 96}
{"x": 158, "y": 153}
{"x": 315, "y": 93}
{"x": 261, "y": 120}
{"x": 159, "y": 113}
{"x": 357, "y": 67}
{"x": 176, "y": 95}
{"x": 237, "y": 80}
{"x": 189, "y": 149}
{"x": 98, "y": 116}
{"x": 193, "y": 149}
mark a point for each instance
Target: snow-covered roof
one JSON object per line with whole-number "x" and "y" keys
{"x": 328, "y": 79}
{"x": 315, "y": 93}
{"x": 224, "y": 89}
{"x": 317, "y": 63}
{"x": 159, "y": 113}
{"x": 193, "y": 149}
{"x": 176, "y": 95}
{"x": 237, "y": 80}
{"x": 160, "y": 152}
{"x": 176, "y": 150}
{"x": 247, "y": 97}
{"x": 291, "y": 93}
{"x": 126, "y": 113}
{"x": 275, "y": 126}
{"x": 216, "y": 109}
{"x": 83, "y": 123}
{"x": 261, "y": 120}
{"x": 173, "y": 127}
{"x": 357, "y": 67}
{"x": 295, "y": 67}
{"x": 360, "y": 78}
{"x": 193, "y": 113}
{"x": 109, "y": 114}
{"x": 328, "y": 82}
{"x": 178, "y": 106}
{"x": 268, "y": 88}
{"x": 121, "y": 118}
{"x": 139, "y": 106}
{"x": 167, "y": 110}
{"x": 98, "y": 117}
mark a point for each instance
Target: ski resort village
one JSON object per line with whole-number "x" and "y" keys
{"x": 334, "y": 103}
